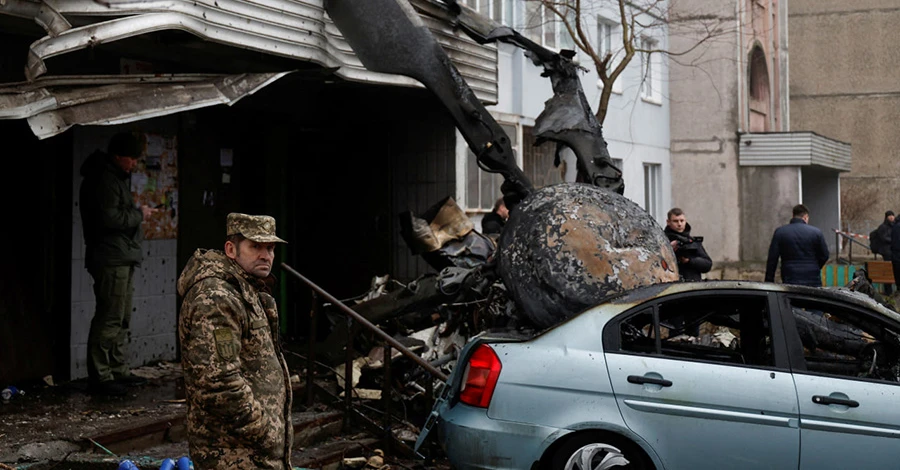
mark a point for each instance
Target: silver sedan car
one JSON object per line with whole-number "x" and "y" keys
{"x": 721, "y": 374}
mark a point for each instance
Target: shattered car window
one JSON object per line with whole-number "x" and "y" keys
{"x": 727, "y": 329}
{"x": 638, "y": 333}
{"x": 844, "y": 342}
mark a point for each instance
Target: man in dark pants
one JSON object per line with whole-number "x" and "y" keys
{"x": 880, "y": 242}
{"x": 111, "y": 222}
{"x": 895, "y": 252}
{"x": 802, "y": 250}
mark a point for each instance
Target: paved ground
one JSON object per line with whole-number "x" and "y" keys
{"x": 52, "y": 427}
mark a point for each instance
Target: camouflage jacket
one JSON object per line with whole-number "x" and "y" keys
{"x": 236, "y": 380}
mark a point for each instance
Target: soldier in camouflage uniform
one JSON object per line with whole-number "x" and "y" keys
{"x": 236, "y": 380}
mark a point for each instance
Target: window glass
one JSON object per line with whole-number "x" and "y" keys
{"x": 638, "y": 333}
{"x": 845, "y": 342}
{"x": 508, "y": 13}
{"x": 653, "y": 189}
{"x": 719, "y": 328}
{"x": 550, "y": 23}
{"x": 533, "y": 21}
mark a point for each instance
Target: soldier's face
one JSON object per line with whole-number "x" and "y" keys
{"x": 256, "y": 258}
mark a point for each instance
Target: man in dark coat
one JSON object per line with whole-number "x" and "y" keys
{"x": 802, "y": 250}
{"x": 692, "y": 258}
{"x": 895, "y": 252}
{"x": 881, "y": 238}
{"x": 111, "y": 222}
{"x": 492, "y": 224}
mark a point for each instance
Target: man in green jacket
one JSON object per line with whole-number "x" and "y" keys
{"x": 111, "y": 222}
{"x": 236, "y": 380}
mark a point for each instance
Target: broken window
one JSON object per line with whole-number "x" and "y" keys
{"x": 639, "y": 333}
{"x": 842, "y": 341}
{"x": 724, "y": 329}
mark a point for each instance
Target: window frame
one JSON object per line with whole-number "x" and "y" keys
{"x": 492, "y": 6}
{"x": 653, "y": 178}
{"x": 465, "y": 159}
{"x": 651, "y": 71}
{"x": 560, "y": 33}
{"x": 611, "y": 28}
{"x": 611, "y": 337}
{"x": 795, "y": 345}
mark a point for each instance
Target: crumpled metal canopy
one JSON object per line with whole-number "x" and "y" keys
{"x": 53, "y": 104}
{"x": 298, "y": 29}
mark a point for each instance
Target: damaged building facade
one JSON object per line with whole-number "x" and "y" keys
{"x": 739, "y": 161}
{"x": 333, "y": 151}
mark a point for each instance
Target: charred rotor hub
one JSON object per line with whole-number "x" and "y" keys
{"x": 570, "y": 246}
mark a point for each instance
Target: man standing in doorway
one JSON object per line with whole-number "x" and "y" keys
{"x": 111, "y": 222}
{"x": 802, "y": 250}
{"x": 692, "y": 258}
{"x": 236, "y": 379}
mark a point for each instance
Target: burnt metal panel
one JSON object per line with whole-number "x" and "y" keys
{"x": 296, "y": 29}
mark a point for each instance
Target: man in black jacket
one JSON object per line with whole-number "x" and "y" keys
{"x": 895, "y": 252}
{"x": 111, "y": 222}
{"x": 492, "y": 224}
{"x": 802, "y": 250}
{"x": 880, "y": 241}
{"x": 692, "y": 258}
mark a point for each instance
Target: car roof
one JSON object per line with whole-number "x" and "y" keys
{"x": 646, "y": 293}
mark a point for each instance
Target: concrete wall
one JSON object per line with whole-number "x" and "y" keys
{"x": 844, "y": 84}
{"x": 767, "y": 196}
{"x": 709, "y": 107}
{"x": 153, "y": 318}
{"x": 704, "y": 123}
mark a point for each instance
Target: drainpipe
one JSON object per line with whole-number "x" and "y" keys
{"x": 785, "y": 51}
{"x": 738, "y": 15}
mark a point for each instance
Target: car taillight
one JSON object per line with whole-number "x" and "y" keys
{"x": 481, "y": 377}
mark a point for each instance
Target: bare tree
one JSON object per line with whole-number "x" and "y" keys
{"x": 636, "y": 18}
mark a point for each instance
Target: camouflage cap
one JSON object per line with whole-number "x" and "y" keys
{"x": 259, "y": 228}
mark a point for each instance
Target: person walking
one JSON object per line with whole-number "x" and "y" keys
{"x": 111, "y": 223}
{"x": 801, "y": 248}
{"x": 236, "y": 380}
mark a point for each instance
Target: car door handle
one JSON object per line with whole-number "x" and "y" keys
{"x": 641, "y": 380}
{"x": 822, "y": 400}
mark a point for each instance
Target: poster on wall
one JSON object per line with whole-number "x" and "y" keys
{"x": 154, "y": 182}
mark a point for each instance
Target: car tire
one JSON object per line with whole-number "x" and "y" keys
{"x": 601, "y": 452}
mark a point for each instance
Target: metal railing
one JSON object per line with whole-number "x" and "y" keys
{"x": 838, "y": 235}
{"x": 389, "y": 344}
